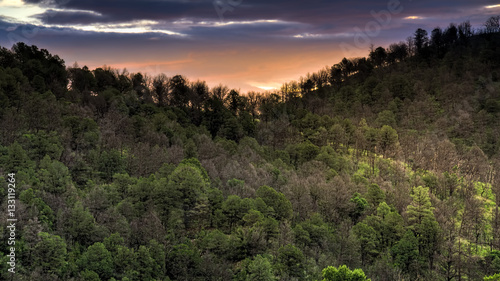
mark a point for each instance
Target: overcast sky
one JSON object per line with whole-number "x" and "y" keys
{"x": 245, "y": 44}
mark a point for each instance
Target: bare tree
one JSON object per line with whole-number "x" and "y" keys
{"x": 492, "y": 25}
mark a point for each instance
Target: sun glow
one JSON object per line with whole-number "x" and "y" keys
{"x": 493, "y": 6}
{"x": 413, "y": 18}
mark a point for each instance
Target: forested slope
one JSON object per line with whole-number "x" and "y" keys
{"x": 387, "y": 164}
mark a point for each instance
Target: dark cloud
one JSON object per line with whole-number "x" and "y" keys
{"x": 150, "y": 9}
{"x": 70, "y": 17}
{"x": 321, "y": 16}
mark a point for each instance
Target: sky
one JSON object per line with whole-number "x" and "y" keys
{"x": 250, "y": 45}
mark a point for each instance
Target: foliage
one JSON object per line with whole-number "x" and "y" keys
{"x": 388, "y": 163}
{"x": 343, "y": 273}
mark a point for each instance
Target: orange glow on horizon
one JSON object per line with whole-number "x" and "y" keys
{"x": 252, "y": 68}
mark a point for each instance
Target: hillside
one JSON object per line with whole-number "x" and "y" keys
{"x": 389, "y": 165}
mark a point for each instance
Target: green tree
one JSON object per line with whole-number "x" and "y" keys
{"x": 302, "y": 152}
{"x": 53, "y": 175}
{"x": 124, "y": 261}
{"x": 359, "y": 207}
{"x": 375, "y": 195}
{"x": 97, "y": 259}
{"x": 189, "y": 181}
{"x": 234, "y": 208}
{"x": 368, "y": 241}
{"x": 388, "y": 223}
{"x": 260, "y": 269}
{"x": 405, "y": 253}
{"x": 423, "y": 223}
{"x": 495, "y": 277}
{"x": 290, "y": 262}
{"x": 282, "y": 207}
{"x": 110, "y": 163}
{"x": 145, "y": 264}
{"x": 45, "y": 213}
{"x": 183, "y": 262}
{"x": 89, "y": 275}
{"x": 386, "y": 117}
{"x": 343, "y": 273}
{"x": 17, "y": 159}
{"x": 50, "y": 253}
{"x": 157, "y": 252}
{"x": 388, "y": 140}
{"x": 43, "y": 143}
{"x": 420, "y": 206}
{"x": 83, "y": 132}
{"x": 79, "y": 225}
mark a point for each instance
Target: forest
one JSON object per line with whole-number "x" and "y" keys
{"x": 385, "y": 167}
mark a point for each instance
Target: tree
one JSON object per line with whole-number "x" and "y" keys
{"x": 492, "y": 25}
{"x": 53, "y": 175}
{"x": 282, "y": 208}
{"x": 33, "y": 61}
{"x": 302, "y": 152}
{"x": 378, "y": 56}
{"x": 97, "y": 259}
{"x": 50, "y": 253}
{"x": 368, "y": 241}
{"x": 260, "y": 269}
{"x": 437, "y": 41}
{"x": 421, "y": 40}
{"x": 386, "y": 117}
{"x": 388, "y": 140}
{"x": 360, "y": 205}
{"x": 17, "y": 159}
{"x": 397, "y": 52}
{"x": 161, "y": 89}
{"x": 388, "y": 225}
{"x": 179, "y": 93}
{"x": 43, "y": 143}
{"x": 234, "y": 208}
{"x": 405, "y": 253}
{"x": 145, "y": 264}
{"x": 81, "y": 79}
{"x": 199, "y": 94}
{"x": 495, "y": 277}
{"x": 83, "y": 132}
{"x": 450, "y": 35}
{"x": 79, "y": 225}
{"x": 465, "y": 31}
{"x": 110, "y": 163}
{"x": 183, "y": 262}
{"x": 185, "y": 189}
{"x": 291, "y": 262}
{"x": 343, "y": 273}
{"x": 375, "y": 195}
{"x": 139, "y": 86}
{"x": 104, "y": 78}
{"x": 423, "y": 223}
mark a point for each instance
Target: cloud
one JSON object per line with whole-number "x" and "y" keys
{"x": 61, "y": 16}
{"x": 247, "y": 43}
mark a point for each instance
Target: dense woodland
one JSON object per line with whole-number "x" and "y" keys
{"x": 383, "y": 168}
